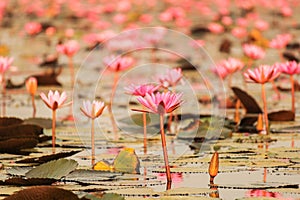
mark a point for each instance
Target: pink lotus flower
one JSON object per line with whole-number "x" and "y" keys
{"x": 50, "y": 31}
{"x": 33, "y": 28}
{"x": 232, "y": 65}
{"x": 69, "y": 48}
{"x": 290, "y": 67}
{"x": 262, "y": 25}
{"x": 120, "y": 18}
{"x": 221, "y": 71}
{"x": 239, "y": 32}
{"x": 254, "y": 52}
{"x": 141, "y": 90}
{"x": 215, "y": 28}
{"x": 69, "y": 33}
{"x": 226, "y": 20}
{"x": 262, "y": 74}
{"x": 146, "y": 18}
{"x": 92, "y": 109}
{"x": 118, "y": 63}
{"x": 263, "y": 193}
{"x": 161, "y": 103}
{"x": 286, "y": 11}
{"x": 5, "y": 64}
{"x": 280, "y": 41}
{"x": 171, "y": 78}
{"x": 242, "y": 22}
{"x": 54, "y": 100}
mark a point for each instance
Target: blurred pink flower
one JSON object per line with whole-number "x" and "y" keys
{"x": 239, "y": 32}
{"x": 171, "y": 78}
{"x": 215, "y": 28}
{"x": 262, "y": 74}
{"x": 69, "y": 33}
{"x": 161, "y": 103}
{"x": 146, "y": 18}
{"x": 54, "y": 100}
{"x": 5, "y": 64}
{"x": 50, "y": 31}
{"x": 280, "y": 41}
{"x": 254, "y": 52}
{"x": 242, "y": 22}
{"x": 165, "y": 16}
{"x": 290, "y": 67}
{"x": 221, "y": 71}
{"x": 141, "y": 90}
{"x": 69, "y": 48}
{"x": 120, "y": 18}
{"x": 226, "y": 20}
{"x": 123, "y": 6}
{"x": 232, "y": 65}
{"x": 286, "y": 11}
{"x": 261, "y": 25}
{"x": 33, "y": 28}
{"x": 118, "y": 63}
{"x": 92, "y": 109}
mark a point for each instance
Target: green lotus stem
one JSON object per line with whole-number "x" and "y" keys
{"x": 263, "y": 93}
{"x": 53, "y": 130}
{"x": 165, "y": 152}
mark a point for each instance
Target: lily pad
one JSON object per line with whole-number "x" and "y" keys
{"x": 54, "y": 169}
{"x": 43, "y": 193}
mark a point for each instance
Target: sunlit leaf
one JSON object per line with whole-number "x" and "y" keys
{"x": 127, "y": 161}
{"x": 54, "y": 169}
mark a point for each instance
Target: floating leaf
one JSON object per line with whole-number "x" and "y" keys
{"x": 127, "y": 161}
{"x": 42, "y": 122}
{"x": 28, "y": 181}
{"x": 91, "y": 175}
{"x": 103, "y": 166}
{"x": 47, "y": 158}
{"x": 43, "y": 193}
{"x": 8, "y": 121}
{"x": 54, "y": 169}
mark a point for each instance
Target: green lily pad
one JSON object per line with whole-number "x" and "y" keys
{"x": 54, "y": 169}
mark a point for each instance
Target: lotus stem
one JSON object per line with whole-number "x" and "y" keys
{"x": 71, "y": 68}
{"x": 33, "y": 106}
{"x": 165, "y": 152}
{"x": 265, "y": 175}
{"x": 275, "y": 89}
{"x": 145, "y": 131}
{"x": 53, "y": 130}
{"x": 3, "y": 96}
{"x": 263, "y": 94}
{"x": 114, "y": 125}
{"x": 293, "y": 93}
{"x": 93, "y": 141}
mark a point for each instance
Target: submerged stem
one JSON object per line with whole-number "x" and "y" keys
{"x": 165, "y": 152}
